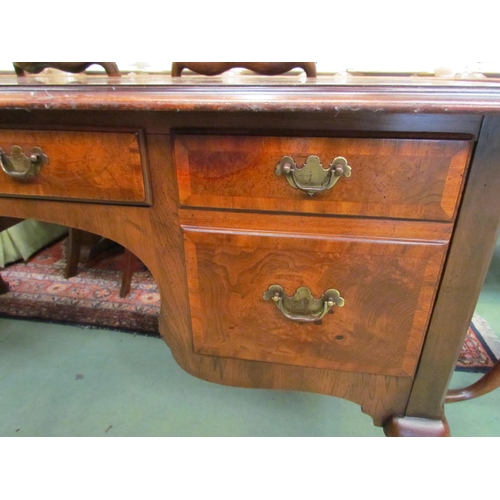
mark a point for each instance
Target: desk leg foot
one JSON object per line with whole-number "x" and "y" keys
{"x": 416, "y": 427}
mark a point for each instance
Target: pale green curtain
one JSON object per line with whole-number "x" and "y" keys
{"x": 24, "y": 239}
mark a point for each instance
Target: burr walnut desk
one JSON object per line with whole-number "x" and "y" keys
{"x": 318, "y": 235}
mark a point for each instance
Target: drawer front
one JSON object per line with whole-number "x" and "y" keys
{"x": 92, "y": 166}
{"x": 397, "y": 178}
{"x": 387, "y": 286}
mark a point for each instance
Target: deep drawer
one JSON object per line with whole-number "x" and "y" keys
{"x": 388, "y": 286}
{"x": 397, "y": 178}
{"x": 91, "y": 166}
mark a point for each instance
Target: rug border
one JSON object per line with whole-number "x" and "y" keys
{"x": 488, "y": 336}
{"x": 488, "y": 340}
{"x": 83, "y": 326}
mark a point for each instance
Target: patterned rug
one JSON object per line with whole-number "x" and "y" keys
{"x": 481, "y": 349}
{"x": 39, "y": 291}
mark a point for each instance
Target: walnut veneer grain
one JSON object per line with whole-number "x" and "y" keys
{"x": 388, "y": 286}
{"x": 413, "y": 179}
{"x": 94, "y": 166}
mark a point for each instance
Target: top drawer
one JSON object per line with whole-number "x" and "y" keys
{"x": 91, "y": 166}
{"x": 401, "y": 178}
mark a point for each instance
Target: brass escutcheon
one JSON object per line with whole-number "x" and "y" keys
{"x": 302, "y": 306}
{"x": 22, "y": 167}
{"x": 312, "y": 177}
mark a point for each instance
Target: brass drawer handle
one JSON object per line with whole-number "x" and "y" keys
{"x": 22, "y": 167}
{"x": 312, "y": 177}
{"x": 302, "y": 306}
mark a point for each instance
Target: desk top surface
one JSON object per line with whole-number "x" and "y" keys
{"x": 292, "y": 93}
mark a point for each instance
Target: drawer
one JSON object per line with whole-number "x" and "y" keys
{"x": 387, "y": 285}
{"x": 91, "y": 166}
{"x": 397, "y": 178}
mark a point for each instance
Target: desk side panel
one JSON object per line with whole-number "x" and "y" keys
{"x": 470, "y": 253}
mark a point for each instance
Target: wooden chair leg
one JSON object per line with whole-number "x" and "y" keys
{"x": 75, "y": 245}
{"x": 83, "y": 247}
{"x": 5, "y": 223}
{"x": 487, "y": 383}
{"x": 4, "y": 286}
{"x": 128, "y": 271}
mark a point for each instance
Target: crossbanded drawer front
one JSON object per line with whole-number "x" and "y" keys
{"x": 376, "y": 322}
{"x": 397, "y": 178}
{"x": 89, "y": 166}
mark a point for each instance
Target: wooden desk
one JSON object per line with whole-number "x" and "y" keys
{"x": 185, "y": 175}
